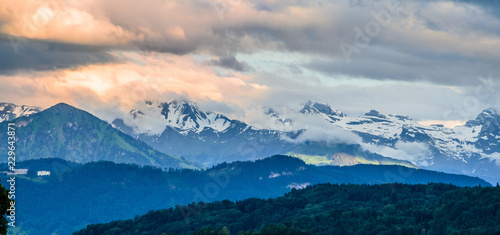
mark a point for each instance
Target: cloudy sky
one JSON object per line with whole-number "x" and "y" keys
{"x": 432, "y": 60}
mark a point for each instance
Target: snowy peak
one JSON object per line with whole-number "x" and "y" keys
{"x": 182, "y": 107}
{"x": 413, "y": 134}
{"x": 9, "y": 111}
{"x": 486, "y": 117}
{"x": 153, "y": 118}
{"x": 375, "y": 113}
{"x": 488, "y": 138}
{"x": 401, "y": 117}
{"x": 488, "y": 113}
{"x": 186, "y": 116}
{"x": 322, "y": 109}
{"x": 490, "y": 120}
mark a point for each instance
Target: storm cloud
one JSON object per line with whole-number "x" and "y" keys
{"x": 17, "y": 55}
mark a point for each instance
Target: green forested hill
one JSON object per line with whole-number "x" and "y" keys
{"x": 75, "y": 195}
{"x": 330, "y": 209}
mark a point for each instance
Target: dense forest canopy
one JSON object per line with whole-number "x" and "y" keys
{"x": 330, "y": 209}
{"x": 5, "y": 203}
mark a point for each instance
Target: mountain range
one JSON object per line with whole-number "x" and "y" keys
{"x": 204, "y": 137}
{"x": 209, "y": 138}
{"x": 141, "y": 160}
{"x": 65, "y": 132}
{"x": 315, "y": 133}
{"x": 182, "y": 129}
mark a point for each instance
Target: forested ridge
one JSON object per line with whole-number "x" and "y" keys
{"x": 76, "y": 195}
{"x": 330, "y": 209}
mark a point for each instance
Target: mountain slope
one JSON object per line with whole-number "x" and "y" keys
{"x": 65, "y": 132}
{"x": 75, "y": 195}
{"x": 9, "y": 111}
{"x": 319, "y": 153}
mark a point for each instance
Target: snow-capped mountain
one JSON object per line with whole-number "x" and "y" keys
{"x": 153, "y": 117}
{"x": 487, "y": 127}
{"x": 473, "y": 148}
{"x": 9, "y": 111}
{"x": 322, "y": 109}
{"x": 316, "y": 133}
{"x": 480, "y": 136}
{"x": 180, "y": 128}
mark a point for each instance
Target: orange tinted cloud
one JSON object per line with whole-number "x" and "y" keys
{"x": 167, "y": 26}
{"x": 51, "y": 20}
{"x": 155, "y": 76}
{"x": 232, "y": 34}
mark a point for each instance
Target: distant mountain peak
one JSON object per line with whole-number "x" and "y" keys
{"x": 62, "y": 105}
{"x": 403, "y": 117}
{"x": 317, "y": 107}
{"x": 184, "y": 106}
{"x": 189, "y": 110}
{"x": 65, "y": 108}
{"x": 183, "y": 101}
{"x": 485, "y": 117}
{"x": 488, "y": 113}
{"x": 4, "y": 105}
{"x": 154, "y": 117}
{"x": 10, "y": 111}
{"x": 375, "y": 113}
